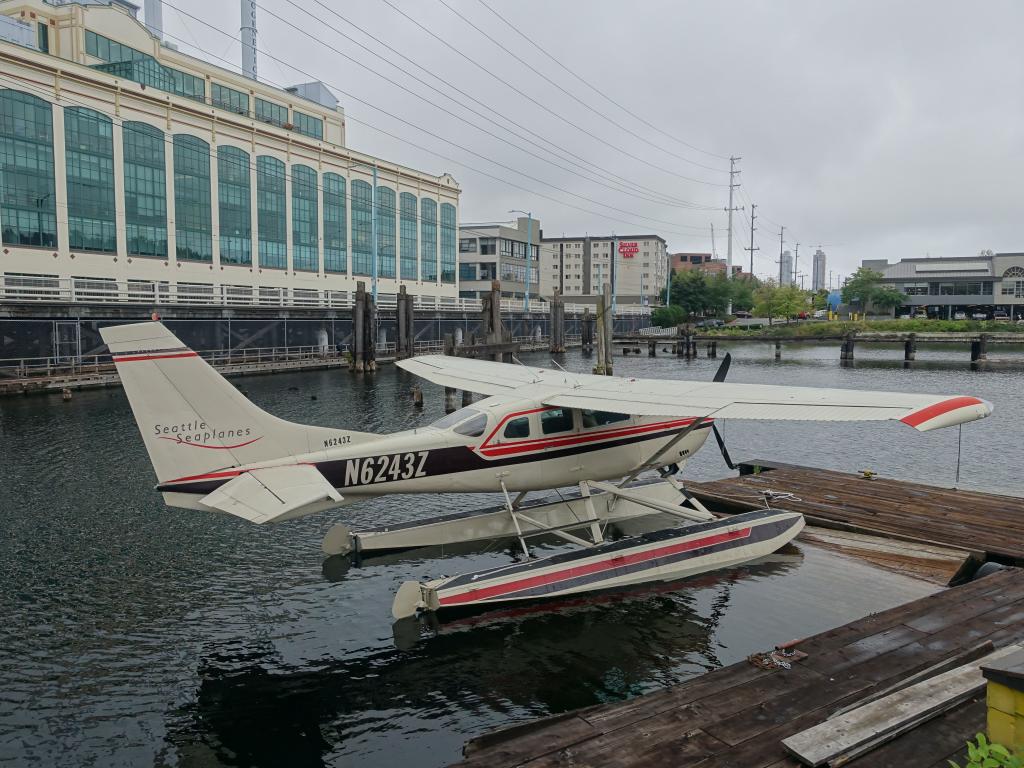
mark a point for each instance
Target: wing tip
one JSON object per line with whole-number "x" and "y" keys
{"x": 948, "y": 413}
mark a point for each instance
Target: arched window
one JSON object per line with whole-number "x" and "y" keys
{"x": 407, "y": 240}
{"x": 271, "y": 212}
{"x": 145, "y": 189}
{"x": 385, "y": 232}
{"x": 89, "y": 152}
{"x": 1014, "y": 272}
{"x": 193, "y": 225}
{"x": 335, "y": 229}
{"x": 305, "y": 219}
{"x": 362, "y": 228}
{"x": 428, "y": 239}
{"x": 28, "y": 203}
{"x": 234, "y": 205}
{"x": 447, "y": 243}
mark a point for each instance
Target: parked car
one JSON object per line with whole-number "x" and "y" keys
{"x": 1000, "y": 316}
{"x": 742, "y": 314}
{"x": 959, "y": 315}
{"x": 979, "y": 316}
{"x": 905, "y": 316}
{"x": 820, "y": 314}
{"x": 711, "y": 322}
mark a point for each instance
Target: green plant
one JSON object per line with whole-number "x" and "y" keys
{"x": 982, "y": 753}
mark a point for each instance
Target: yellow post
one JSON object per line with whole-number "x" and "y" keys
{"x": 1005, "y": 698}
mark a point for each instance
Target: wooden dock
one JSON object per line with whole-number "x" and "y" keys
{"x": 738, "y": 716}
{"x": 989, "y": 524}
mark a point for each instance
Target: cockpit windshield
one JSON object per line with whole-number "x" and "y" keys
{"x": 455, "y": 417}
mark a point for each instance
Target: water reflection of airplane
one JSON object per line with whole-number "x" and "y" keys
{"x": 537, "y": 429}
{"x": 257, "y": 710}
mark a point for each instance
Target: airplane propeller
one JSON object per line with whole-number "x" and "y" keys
{"x": 723, "y": 371}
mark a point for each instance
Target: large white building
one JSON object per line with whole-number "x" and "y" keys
{"x": 786, "y": 268}
{"x": 127, "y": 166}
{"x": 580, "y": 266}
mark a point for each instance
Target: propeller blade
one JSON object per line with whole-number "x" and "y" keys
{"x": 721, "y": 444}
{"x": 723, "y": 369}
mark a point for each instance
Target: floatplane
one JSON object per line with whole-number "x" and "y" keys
{"x": 536, "y": 429}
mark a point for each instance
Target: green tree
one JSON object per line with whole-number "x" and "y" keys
{"x": 717, "y": 294}
{"x": 689, "y": 291}
{"x": 668, "y": 317}
{"x": 862, "y": 287}
{"x": 767, "y": 301}
{"x": 888, "y": 298}
{"x": 743, "y": 292}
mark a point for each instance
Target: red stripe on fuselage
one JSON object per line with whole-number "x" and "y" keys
{"x": 929, "y": 413}
{"x": 524, "y": 446}
{"x": 168, "y": 356}
{"x": 585, "y": 570}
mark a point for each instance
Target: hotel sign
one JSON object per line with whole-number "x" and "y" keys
{"x": 628, "y": 250}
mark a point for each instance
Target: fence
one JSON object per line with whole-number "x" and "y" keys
{"x": 47, "y": 289}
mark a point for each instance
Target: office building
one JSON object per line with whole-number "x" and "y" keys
{"x": 132, "y": 169}
{"x": 942, "y": 287}
{"x": 702, "y": 262}
{"x": 818, "y": 271}
{"x": 498, "y": 251}
{"x": 786, "y": 268}
{"x": 580, "y": 266}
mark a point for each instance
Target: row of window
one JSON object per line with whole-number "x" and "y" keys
{"x": 132, "y": 64}
{"x": 472, "y": 422}
{"x": 27, "y": 197}
{"x": 977, "y": 288}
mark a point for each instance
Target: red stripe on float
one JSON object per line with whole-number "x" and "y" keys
{"x": 926, "y": 414}
{"x": 585, "y": 570}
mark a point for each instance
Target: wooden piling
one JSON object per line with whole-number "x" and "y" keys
{"x": 712, "y": 349}
{"x": 406, "y": 322}
{"x": 652, "y": 348}
{"x": 557, "y": 322}
{"x": 603, "y": 324}
{"x": 490, "y": 322}
{"x": 358, "y": 327}
{"x": 417, "y": 396}
{"x": 846, "y": 350}
{"x": 449, "y": 400}
{"x": 979, "y": 349}
{"x": 778, "y": 350}
{"x": 587, "y": 332}
{"x": 467, "y": 398}
{"x": 910, "y": 348}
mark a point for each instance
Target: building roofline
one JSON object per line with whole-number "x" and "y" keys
{"x": 604, "y": 237}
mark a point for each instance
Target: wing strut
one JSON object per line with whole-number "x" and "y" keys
{"x": 650, "y": 463}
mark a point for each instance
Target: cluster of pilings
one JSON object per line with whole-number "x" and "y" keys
{"x": 558, "y": 322}
{"x": 364, "y": 329}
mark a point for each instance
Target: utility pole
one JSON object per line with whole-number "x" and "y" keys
{"x": 732, "y": 187}
{"x": 796, "y": 261}
{"x": 753, "y": 218}
{"x": 782, "y": 231}
{"x": 714, "y": 255}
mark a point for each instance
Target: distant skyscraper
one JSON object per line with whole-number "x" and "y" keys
{"x": 818, "y": 272}
{"x": 786, "y": 268}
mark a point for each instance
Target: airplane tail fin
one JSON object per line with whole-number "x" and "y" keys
{"x": 193, "y": 421}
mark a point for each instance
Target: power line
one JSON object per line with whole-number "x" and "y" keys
{"x": 449, "y": 141}
{"x": 665, "y": 199}
{"x": 574, "y": 97}
{"x": 550, "y": 111}
{"x": 600, "y": 92}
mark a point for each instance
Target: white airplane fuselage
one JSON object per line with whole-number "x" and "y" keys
{"x": 522, "y": 444}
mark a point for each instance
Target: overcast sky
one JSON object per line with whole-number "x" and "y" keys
{"x": 878, "y": 129}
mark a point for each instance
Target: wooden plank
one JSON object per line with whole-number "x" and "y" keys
{"x": 833, "y": 738}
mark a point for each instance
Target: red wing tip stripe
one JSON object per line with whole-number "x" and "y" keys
{"x": 938, "y": 409}
{"x": 154, "y": 356}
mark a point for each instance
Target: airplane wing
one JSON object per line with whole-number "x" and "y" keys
{"x": 269, "y": 494}
{"x": 719, "y": 400}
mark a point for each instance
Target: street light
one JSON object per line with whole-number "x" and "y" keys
{"x": 373, "y": 223}
{"x": 529, "y": 251}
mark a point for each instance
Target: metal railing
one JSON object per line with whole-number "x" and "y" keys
{"x": 43, "y": 288}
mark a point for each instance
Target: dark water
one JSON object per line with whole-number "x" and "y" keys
{"x": 133, "y": 634}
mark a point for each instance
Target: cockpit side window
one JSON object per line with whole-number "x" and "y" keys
{"x": 519, "y": 427}
{"x": 601, "y": 418}
{"x": 474, "y": 427}
{"x": 456, "y": 417}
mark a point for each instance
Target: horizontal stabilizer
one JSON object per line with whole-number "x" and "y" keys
{"x": 274, "y": 493}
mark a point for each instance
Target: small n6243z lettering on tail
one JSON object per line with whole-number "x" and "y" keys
{"x": 385, "y": 469}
